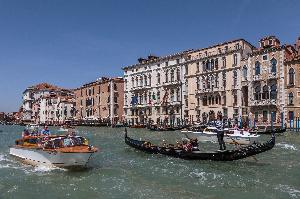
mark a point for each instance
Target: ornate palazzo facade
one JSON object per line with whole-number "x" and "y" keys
{"x": 155, "y": 89}
{"x": 214, "y": 81}
{"x": 266, "y": 80}
{"x": 292, "y": 81}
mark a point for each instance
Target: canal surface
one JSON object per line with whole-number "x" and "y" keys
{"x": 119, "y": 171}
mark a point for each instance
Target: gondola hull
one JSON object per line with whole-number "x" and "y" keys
{"x": 227, "y": 155}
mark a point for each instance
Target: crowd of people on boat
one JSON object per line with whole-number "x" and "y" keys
{"x": 44, "y": 139}
{"x": 35, "y": 132}
{"x": 187, "y": 145}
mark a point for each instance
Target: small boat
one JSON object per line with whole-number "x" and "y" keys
{"x": 225, "y": 155}
{"x": 268, "y": 130}
{"x": 231, "y": 136}
{"x": 160, "y": 128}
{"x": 55, "y": 150}
{"x": 138, "y": 126}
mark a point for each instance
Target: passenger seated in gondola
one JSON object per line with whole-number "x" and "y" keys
{"x": 195, "y": 144}
{"x": 178, "y": 145}
{"x": 164, "y": 144}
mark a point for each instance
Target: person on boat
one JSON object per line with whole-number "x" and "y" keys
{"x": 178, "y": 144}
{"x": 45, "y": 131}
{"x": 220, "y": 135}
{"x": 164, "y": 144}
{"x": 195, "y": 145}
{"x": 25, "y": 133}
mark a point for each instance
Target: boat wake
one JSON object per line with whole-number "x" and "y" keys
{"x": 11, "y": 163}
{"x": 287, "y": 146}
{"x": 294, "y": 193}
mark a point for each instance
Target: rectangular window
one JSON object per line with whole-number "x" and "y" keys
{"x": 167, "y": 63}
{"x": 265, "y": 116}
{"x": 256, "y": 116}
{"x": 225, "y": 112}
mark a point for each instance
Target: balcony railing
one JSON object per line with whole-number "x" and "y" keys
{"x": 272, "y": 76}
{"x": 257, "y": 77}
{"x": 176, "y": 82}
{"x": 263, "y": 102}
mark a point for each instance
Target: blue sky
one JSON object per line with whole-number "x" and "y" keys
{"x": 68, "y": 43}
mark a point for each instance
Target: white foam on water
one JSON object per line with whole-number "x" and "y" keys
{"x": 294, "y": 193}
{"x": 2, "y": 157}
{"x": 287, "y": 146}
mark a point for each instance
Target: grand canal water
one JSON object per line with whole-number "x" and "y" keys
{"x": 119, "y": 171}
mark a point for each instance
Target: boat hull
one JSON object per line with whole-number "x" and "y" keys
{"x": 204, "y": 137}
{"x": 51, "y": 158}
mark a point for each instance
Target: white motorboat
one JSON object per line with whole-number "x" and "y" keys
{"x": 59, "y": 151}
{"x": 232, "y": 136}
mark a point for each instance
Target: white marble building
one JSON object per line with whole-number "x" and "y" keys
{"x": 155, "y": 89}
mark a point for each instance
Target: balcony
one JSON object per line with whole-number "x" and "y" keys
{"x": 173, "y": 83}
{"x": 257, "y": 77}
{"x": 267, "y": 102}
{"x": 272, "y": 76}
{"x": 208, "y": 90}
{"x": 141, "y": 88}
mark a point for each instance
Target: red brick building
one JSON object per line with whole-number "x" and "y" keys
{"x": 101, "y": 100}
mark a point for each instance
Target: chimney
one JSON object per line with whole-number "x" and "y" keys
{"x": 298, "y": 45}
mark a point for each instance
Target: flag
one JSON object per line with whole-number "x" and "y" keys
{"x": 134, "y": 100}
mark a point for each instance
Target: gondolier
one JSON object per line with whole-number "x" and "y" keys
{"x": 220, "y": 136}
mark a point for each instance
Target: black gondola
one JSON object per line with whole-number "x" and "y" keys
{"x": 227, "y": 155}
{"x": 268, "y": 130}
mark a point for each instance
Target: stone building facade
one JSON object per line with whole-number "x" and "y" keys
{"x": 42, "y": 103}
{"x": 101, "y": 100}
{"x": 292, "y": 81}
{"x": 155, "y": 89}
{"x": 266, "y": 92}
{"x": 215, "y": 89}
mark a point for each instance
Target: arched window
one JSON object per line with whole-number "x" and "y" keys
{"x": 257, "y": 68}
{"x": 245, "y": 72}
{"x": 172, "y": 75}
{"x": 178, "y": 74}
{"x": 132, "y": 82}
{"x": 172, "y": 96}
{"x": 203, "y": 66}
{"x": 146, "y": 80}
{"x": 167, "y": 76}
{"x": 273, "y": 93}
{"x": 178, "y": 94}
{"x": 265, "y": 94}
{"x": 291, "y": 99}
{"x": 158, "y": 78}
{"x": 208, "y": 65}
{"x": 212, "y": 63}
{"x": 291, "y": 76}
{"x": 198, "y": 83}
{"x": 234, "y": 77}
{"x": 257, "y": 93}
{"x": 141, "y": 80}
{"x": 136, "y": 81}
{"x": 273, "y": 65}
{"x": 224, "y": 61}
{"x": 204, "y": 101}
{"x": 216, "y": 64}
{"x": 235, "y": 59}
{"x": 149, "y": 77}
{"x": 158, "y": 96}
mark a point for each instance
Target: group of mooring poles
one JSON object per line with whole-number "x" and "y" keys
{"x": 295, "y": 124}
